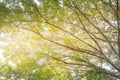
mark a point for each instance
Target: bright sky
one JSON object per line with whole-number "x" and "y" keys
{"x": 37, "y": 2}
{"x": 1, "y": 55}
{"x": 2, "y": 44}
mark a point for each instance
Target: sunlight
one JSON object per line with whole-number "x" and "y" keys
{"x": 41, "y": 61}
{"x": 38, "y": 2}
{"x": 2, "y": 59}
{"x": 11, "y": 64}
{"x": 59, "y": 39}
{"x": 1, "y": 0}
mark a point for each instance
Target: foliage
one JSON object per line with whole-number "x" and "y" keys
{"x": 95, "y": 75}
{"x": 72, "y": 38}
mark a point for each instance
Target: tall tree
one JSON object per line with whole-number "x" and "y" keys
{"x": 86, "y": 32}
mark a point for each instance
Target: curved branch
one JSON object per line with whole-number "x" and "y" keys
{"x": 66, "y": 46}
{"x": 75, "y": 6}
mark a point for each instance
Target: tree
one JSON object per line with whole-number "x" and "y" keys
{"x": 83, "y": 32}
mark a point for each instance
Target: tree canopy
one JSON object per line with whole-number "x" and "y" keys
{"x": 59, "y": 40}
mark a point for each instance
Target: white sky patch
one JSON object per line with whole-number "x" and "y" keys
{"x": 3, "y": 78}
{"x": 105, "y": 50}
{"x": 3, "y": 44}
{"x": 21, "y": 5}
{"x": 69, "y": 13}
{"x": 66, "y": 59}
{"x": 22, "y": 79}
{"x": 74, "y": 22}
{"x": 2, "y": 35}
{"x": 106, "y": 28}
{"x": 61, "y": 41}
{"x": 43, "y": 24}
{"x": 46, "y": 32}
{"x": 106, "y": 66}
{"x": 11, "y": 63}
{"x": 78, "y": 33}
{"x": 68, "y": 27}
{"x": 41, "y": 61}
{"x": 92, "y": 5}
{"x": 2, "y": 59}
{"x": 56, "y": 19}
{"x": 61, "y": 3}
{"x": 1, "y": 0}
{"x": 38, "y": 2}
